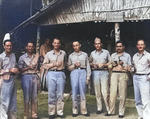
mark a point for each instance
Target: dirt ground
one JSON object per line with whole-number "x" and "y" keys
{"x": 130, "y": 112}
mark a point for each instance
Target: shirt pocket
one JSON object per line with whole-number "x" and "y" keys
{"x": 5, "y": 62}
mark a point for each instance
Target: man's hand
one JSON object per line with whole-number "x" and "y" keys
{"x": 120, "y": 62}
{"x": 100, "y": 66}
{"x": 92, "y": 65}
{"x": 114, "y": 63}
{"x": 87, "y": 81}
{"x": 77, "y": 64}
{"x": 14, "y": 70}
{"x": 32, "y": 66}
{"x": 58, "y": 64}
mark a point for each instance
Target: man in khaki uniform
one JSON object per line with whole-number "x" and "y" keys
{"x": 141, "y": 80}
{"x": 100, "y": 58}
{"x": 78, "y": 64}
{"x": 55, "y": 62}
{"x": 8, "y": 101}
{"x": 120, "y": 64}
{"x": 28, "y": 68}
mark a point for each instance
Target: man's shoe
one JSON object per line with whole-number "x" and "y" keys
{"x": 87, "y": 114}
{"x": 121, "y": 116}
{"x": 74, "y": 115}
{"x": 99, "y": 112}
{"x": 109, "y": 114}
{"x": 52, "y": 117}
{"x": 61, "y": 116}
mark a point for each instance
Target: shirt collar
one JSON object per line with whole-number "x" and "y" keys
{"x": 121, "y": 55}
{"x": 4, "y": 54}
{"x": 28, "y": 55}
{"x": 60, "y": 52}
{"x": 74, "y": 53}
{"x": 142, "y": 54}
{"x": 99, "y": 52}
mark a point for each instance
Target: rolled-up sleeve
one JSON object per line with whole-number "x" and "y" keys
{"x": 2, "y": 71}
{"x": 21, "y": 63}
{"x": 46, "y": 60}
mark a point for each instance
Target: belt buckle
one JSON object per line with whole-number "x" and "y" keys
{"x": 79, "y": 68}
{"x": 54, "y": 69}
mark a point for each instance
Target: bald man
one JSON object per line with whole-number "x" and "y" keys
{"x": 100, "y": 58}
{"x": 78, "y": 64}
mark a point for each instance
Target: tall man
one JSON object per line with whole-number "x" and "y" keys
{"x": 55, "y": 62}
{"x": 78, "y": 64}
{"x": 28, "y": 68}
{"x": 141, "y": 79}
{"x": 100, "y": 58}
{"x": 120, "y": 64}
{"x": 8, "y": 104}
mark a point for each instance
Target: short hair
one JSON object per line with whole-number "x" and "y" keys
{"x": 29, "y": 42}
{"x": 141, "y": 39}
{"x": 75, "y": 41}
{"x": 97, "y": 39}
{"x": 6, "y": 41}
{"x": 120, "y": 42}
{"x": 57, "y": 39}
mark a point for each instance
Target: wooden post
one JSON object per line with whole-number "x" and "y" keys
{"x": 117, "y": 32}
{"x": 38, "y": 40}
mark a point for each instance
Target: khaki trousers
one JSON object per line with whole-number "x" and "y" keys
{"x": 100, "y": 81}
{"x": 118, "y": 84}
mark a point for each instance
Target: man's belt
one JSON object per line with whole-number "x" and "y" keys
{"x": 100, "y": 69}
{"x": 79, "y": 68}
{"x": 119, "y": 71}
{"x": 141, "y": 74}
{"x": 55, "y": 70}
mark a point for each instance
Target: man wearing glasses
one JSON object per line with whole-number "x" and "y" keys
{"x": 100, "y": 58}
{"x": 120, "y": 63}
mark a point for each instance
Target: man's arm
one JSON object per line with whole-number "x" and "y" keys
{"x": 88, "y": 69}
{"x": 70, "y": 65}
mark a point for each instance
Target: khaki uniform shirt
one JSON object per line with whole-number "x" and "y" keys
{"x": 44, "y": 49}
{"x": 125, "y": 58}
{"x": 142, "y": 63}
{"x": 6, "y": 63}
{"x": 25, "y": 61}
{"x": 102, "y": 57}
{"x": 81, "y": 57}
{"x": 51, "y": 57}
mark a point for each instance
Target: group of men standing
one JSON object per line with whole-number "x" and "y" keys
{"x": 55, "y": 61}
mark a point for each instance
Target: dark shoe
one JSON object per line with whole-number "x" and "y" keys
{"x": 99, "y": 112}
{"x": 61, "y": 116}
{"x": 74, "y": 115}
{"x": 109, "y": 114}
{"x": 87, "y": 114}
{"x": 121, "y": 116}
{"x": 52, "y": 117}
